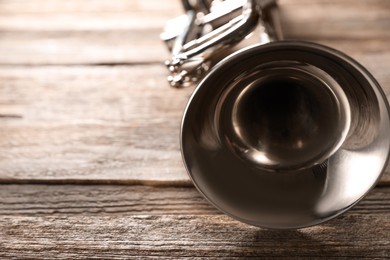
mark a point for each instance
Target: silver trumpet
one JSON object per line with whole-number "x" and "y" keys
{"x": 277, "y": 134}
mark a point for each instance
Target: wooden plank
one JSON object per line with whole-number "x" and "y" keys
{"x": 325, "y": 18}
{"x": 32, "y": 200}
{"x": 94, "y": 8}
{"x": 46, "y": 221}
{"x": 86, "y": 94}
{"x": 83, "y": 32}
{"x": 116, "y": 94}
{"x": 208, "y": 236}
{"x": 120, "y": 124}
{"x": 91, "y": 123}
{"x": 69, "y": 48}
{"x": 92, "y": 152}
{"x": 96, "y": 32}
{"x": 105, "y": 124}
{"x": 321, "y": 19}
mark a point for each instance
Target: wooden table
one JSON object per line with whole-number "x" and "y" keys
{"x": 89, "y": 136}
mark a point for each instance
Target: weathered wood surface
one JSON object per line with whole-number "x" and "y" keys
{"x": 34, "y": 200}
{"x": 121, "y": 123}
{"x": 103, "y": 123}
{"x": 83, "y": 99}
{"x": 209, "y": 236}
{"x": 31, "y": 200}
{"x": 173, "y": 236}
{"x": 85, "y": 123}
{"x": 43, "y": 221}
{"x": 96, "y": 32}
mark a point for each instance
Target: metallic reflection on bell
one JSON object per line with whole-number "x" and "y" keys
{"x": 284, "y": 134}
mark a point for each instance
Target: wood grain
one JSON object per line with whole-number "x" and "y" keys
{"x": 84, "y": 221}
{"x": 123, "y": 127}
{"x": 34, "y": 200}
{"x": 173, "y": 236}
{"x": 95, "y": 32}
{"x": 324, "y": 19}
{"x": 83, "y": 100}
{"x": 97, "y": 123}
{"x": 83, "y": 32}
{"x": 90, "y": 123}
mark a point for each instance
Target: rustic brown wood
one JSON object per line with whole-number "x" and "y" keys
{"x": 117, "y": 199}
{"x": 83, "y": 100}
{"x": 321, "y": 19}
{"x": 210, "y": 236}
{"x": 83, "y": 32}
{"x": 110, "y": 123}
{"x": 45, "y": 221}
{"x": 36, "y": 200}
{"x": 106, "y": 123}
{"x": 95, "y": 32}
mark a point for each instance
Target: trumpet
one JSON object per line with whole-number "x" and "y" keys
{"x": 277, "y": 134}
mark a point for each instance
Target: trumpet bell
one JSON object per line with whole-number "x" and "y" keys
{"x": 283, "y": 134}
{"x": 286, "y": 134}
